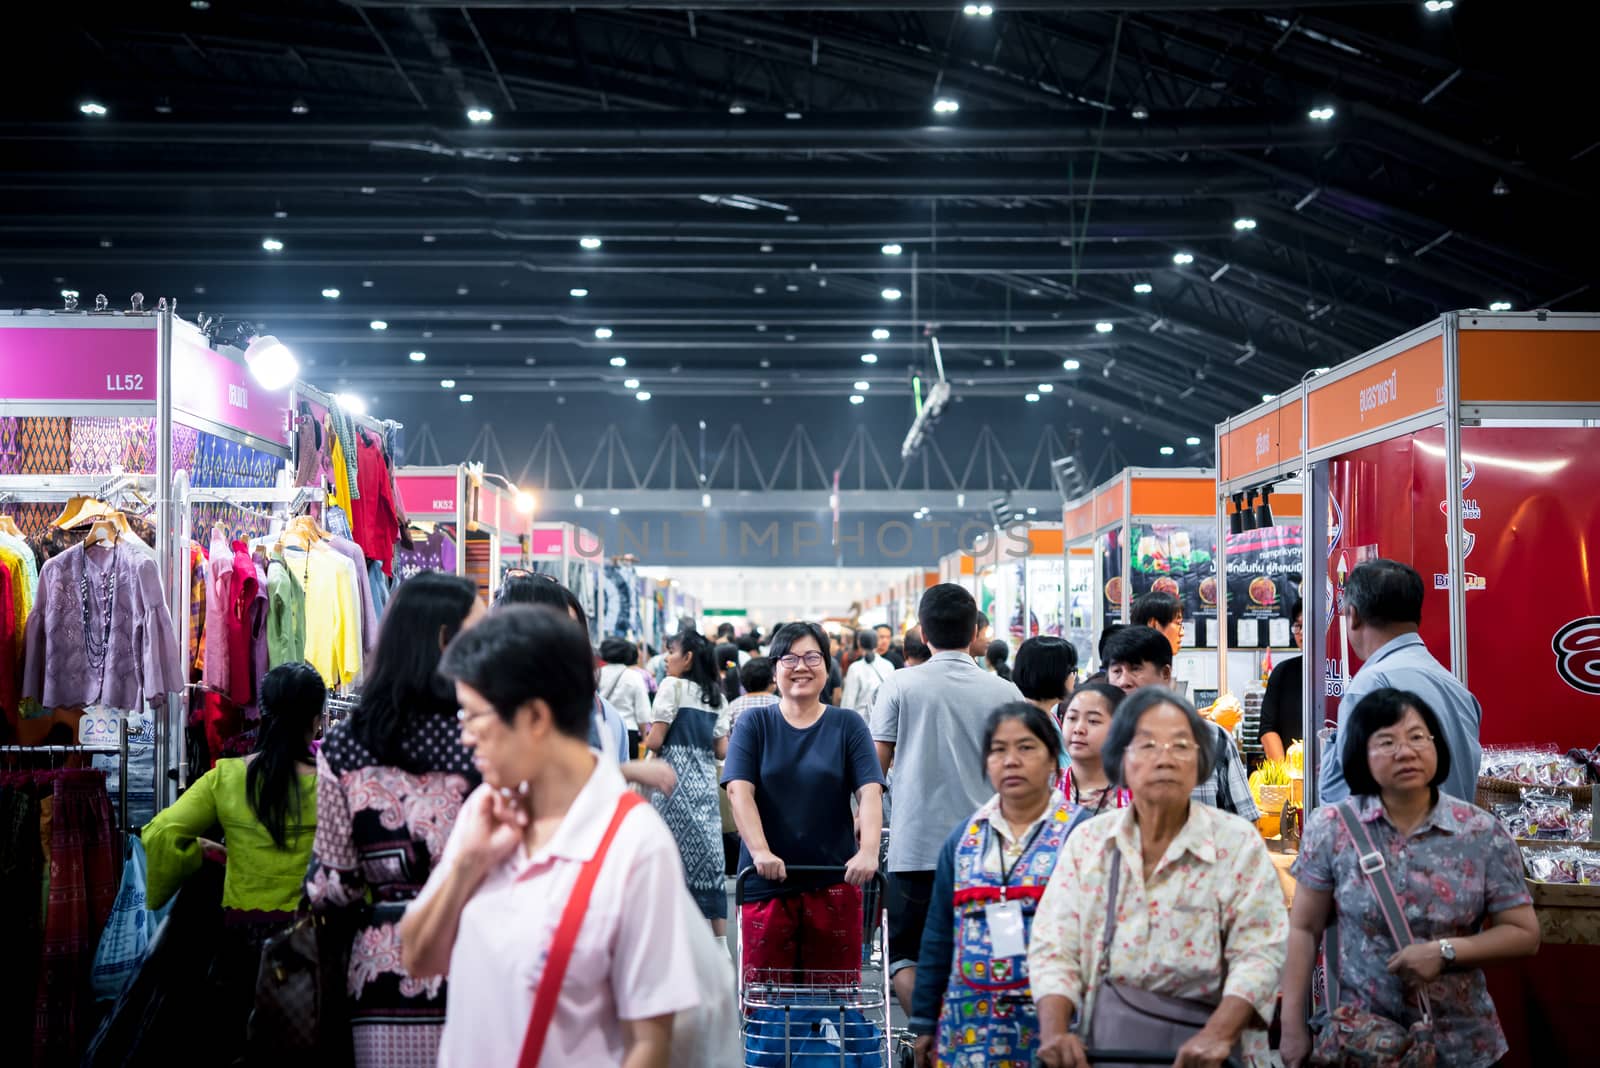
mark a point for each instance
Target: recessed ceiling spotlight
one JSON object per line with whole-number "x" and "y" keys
{"x": 428, "y": 239}
{"x": 766, "y": 248}
{"x": 1265, "y": 397}
{"x": 465, "y": 398}
{"x": 880, "y": 334}
{"x": 945, "y": 106}
{"x": 367, "y": 283}
{"x": 496, "y": 327}
{"x": 643, "y": 394}
{"x": 792, "y": 116}
{"x": 447, "y": 383}
{"x": 299, "y": 108}
{"x": 479, "y": 115}
{"x": 766, "y": 363}
{"x": 1191, "y": 441}
{"x": 791, "y": 218}
{"x": 1434, "y": 7}
{"x": 1244, "y": 223}
{"x": 330, "y": 294}
{"x": 869, "y": 357}
{"x": 1143, "y": 288}
{"x": 1183, "y": 259}
{"x": 1321, "y": 114}
{"x": 1070, "y": 365}
{"x": 891, "y": 293}
{"x": 1031, "y": 398}
{"x": 1167, "y": 450}
{"x": 589, "y": 243}
{"x": 619, "y": 361}
{"x": 630, "y": 383}
{"x": 462, "y": 291}
{"x": 1104, "y": 327}
{"x": 378, "y": 324}
{"x": 280, "y": 214}
{"x": 272, "y": 244}
{"x": 577, "y": 292}
{"x": 791, "y": 288}
{"x": 892, "y": 250}
{"x": 736, "y": 108}
{"x": 856, "y": 398}
{"x": 1500, "y": 305}
{"x": 418, "y": 356}
{"x": 1139, "y": 111}
{"x": 760, "y": 291}
{"x": 92, "y": 109}
{"x": 200, "y": 5}
{"x": 862, "y": 385}
{"x": 1047, "y": 387}
{"x": 603, "y": 333}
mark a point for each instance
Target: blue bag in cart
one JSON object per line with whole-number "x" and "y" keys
{"x": 129, "y": 929}
{"x": 812, "y": 1037}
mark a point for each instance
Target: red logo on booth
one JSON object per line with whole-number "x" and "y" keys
{"x": 1577, "y": 648}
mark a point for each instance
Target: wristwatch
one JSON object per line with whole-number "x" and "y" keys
{"x": 1447, "y": 950}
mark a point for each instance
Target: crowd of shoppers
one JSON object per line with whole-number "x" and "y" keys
{"x": 1073, "y": 863}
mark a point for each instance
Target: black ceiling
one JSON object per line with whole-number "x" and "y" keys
{"x": 1094, "y": 141}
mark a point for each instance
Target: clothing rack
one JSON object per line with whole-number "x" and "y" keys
{"x": 121, "y": 749}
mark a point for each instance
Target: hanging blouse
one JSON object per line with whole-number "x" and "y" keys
{"x": 333, "y": 621}
{"x": 286, "y": 614}
{"x": 219, "y": 596}
{"x": 24, "y": 551}
{"x": 339, "y": 497}
{"x": 365, "y": 604}
{"x": 241, "y": 604}
{"x": 99, "y": 632}
{"x": 375, "y": 521}
{"x": 10, "y": 637}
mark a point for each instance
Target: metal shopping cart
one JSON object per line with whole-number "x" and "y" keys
{"x": 1115, "y": 1058}
{"x": 812, "y": 1019}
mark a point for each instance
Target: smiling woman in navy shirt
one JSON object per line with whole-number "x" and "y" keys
{"x": 791, "y": 771}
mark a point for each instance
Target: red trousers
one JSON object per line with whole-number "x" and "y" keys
{"x": 811, "y": 937}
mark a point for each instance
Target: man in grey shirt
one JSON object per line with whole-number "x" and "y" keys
{"x": 1383, "y": 609}
{"x": 928, "y": 722}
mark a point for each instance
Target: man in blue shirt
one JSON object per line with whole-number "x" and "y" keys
{"x": 1383, "y": 608}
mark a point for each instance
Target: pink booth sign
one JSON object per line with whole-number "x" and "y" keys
{"x": 427, "y": 494}
{"x": 113, "y": 360}
{"x": 209, "y": 385}
{"x": 548, "y": 541}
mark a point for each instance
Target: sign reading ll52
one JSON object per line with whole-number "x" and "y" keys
{"x": 124, "y": 383}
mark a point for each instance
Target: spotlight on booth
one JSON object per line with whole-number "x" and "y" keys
{"x": 1264, "y": 509}
{"x": 526, "y": 502}
{"x": 271, "y": 363}
{"x": 1236, "y": 517}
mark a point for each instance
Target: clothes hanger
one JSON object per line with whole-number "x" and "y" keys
{"x": 106, "y": 530}
{"x": 77, "y": 510}
{"x": 9, "y": 526}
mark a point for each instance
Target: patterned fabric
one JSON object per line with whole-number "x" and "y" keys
{"x": 691, "y": 811}
{"x": 1450, "y": 874}
{"x": 382, "y": 829}
{"x": 139, "y": 445}
{"x": 44, "y": 445}
{"x": 1228, "y": 788}
{"x": 988, "y": 1018}
{"x": 1208, "y": 923}
{"x": 83, "y": 885}
{"x": 96, "y": 445}
{"x": 811, "y": 937}
{"x": 10, "y": 445}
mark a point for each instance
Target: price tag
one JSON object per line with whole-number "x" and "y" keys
{"x": 1248, "y": 634}
{"x": 101, "y": 727}
{"x": 1005, "y": 929}
{"x": 1280, "y": 633}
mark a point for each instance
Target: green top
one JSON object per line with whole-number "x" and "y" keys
{"x": 260, "y": 875}
{"x": 286, "y": 614}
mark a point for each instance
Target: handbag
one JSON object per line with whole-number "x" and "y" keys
{"x": 128, "y": 933}
{"x": 300, "y": 1002}
{"x": 1125, "y": 1017}
{"x": 1353, "y": 1037}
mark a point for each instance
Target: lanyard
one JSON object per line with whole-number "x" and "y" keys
{"x": 1073, "y": 780}
{"x": 1005, "y": 872}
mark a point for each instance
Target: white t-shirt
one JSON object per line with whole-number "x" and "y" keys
{"x": 861, "y": 683}
{"x": 625, "y": 689}
{"x": 676, "y": 693}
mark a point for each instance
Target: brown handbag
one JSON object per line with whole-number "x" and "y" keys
{"x": 1127, "y": 1018}
{"x": 300, "y": 987}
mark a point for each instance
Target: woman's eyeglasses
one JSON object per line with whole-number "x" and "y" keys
{"x": 794, "y": 660}
{"x": 1390, "y": 745}
{"x": 1182, "y": 751}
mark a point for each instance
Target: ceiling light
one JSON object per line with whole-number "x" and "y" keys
{"x": 1070, "y": 365}
{"x": 602, "y": 332}
{"x": 92, "y": 109}
{"x": 1265, "y": 397}
{"x": 1191, "y": 441}
{"x": 1140, "y": 112}
{"x": 299, "y": 108}
{"x": 869, "y": 357}
{"x": 1243, "y": 223}
{"x": 619, "y": 361}
{"x": 280, "y": 214}
{"x": 368, "y": 190}
{"x": 1500, "y": 305}
{"x": 367, "y": 283}
{"x": 418, "y": 357}
{"x": 880, "y": 334}
{"x": 462, "y": 290}
{"x": 1143, "y": 287}
{"x": 856, "y": 398}
{"x": 862, "y": 385}
{"x": 945, "y": 106}
{"x": 766, "y": 248}
{"x": 1031, "y": 398}
{"x": 892, "y": 250}
{"x": 1167, "y": 450}
{"x": 631, "y": 383}
{"x": 705, "y": 500}
{"x": 1433, "y": 7}
{"x": 1183, "y": 259}
{"x": 1320, "y": 371}
{"x": 643, "y": 394}
{"x": 892, "y": 293}
{"x": 791, "y": 218}
{"x": 270, "y": 362}
{"x": 480, "y": 115}
{"x": 616, "y": 511}
{"x": 465, "y": 398}
{"x": 577, "y": 500}
{"x": 526, "y": 502}
{"x": 447, "y": 383}
{"x": 69, "y": 294}
{"x": 1046, "y": 387}
{"x": 1322, "y": 114}
{"x": 590, "y": 243}
{"x": 378, "y": 324}
{"x": 577, "y": 292}
{"x": 351, "y": 403}
{"x": 736, "y": 108}
{"x": 1500, "y": 188}
{"x": 272, "y": 244}
{"x": 330, "y": 293}
{"x": 1104, "y": 327}
{"x": 792, "y": 116}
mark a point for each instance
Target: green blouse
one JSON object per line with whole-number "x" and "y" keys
{"x": 260, "y": 876}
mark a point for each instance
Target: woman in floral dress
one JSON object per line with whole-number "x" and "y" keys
{"x": 390, "y": 781}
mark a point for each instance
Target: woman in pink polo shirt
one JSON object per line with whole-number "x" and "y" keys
{"x": 492, "y": 908}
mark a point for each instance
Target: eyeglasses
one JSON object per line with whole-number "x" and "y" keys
{"x": 794, "y": 660}
{"x": 1416, "y": 742}
{"x": 1181, "y": 750}
{"x": 467, "y": 719}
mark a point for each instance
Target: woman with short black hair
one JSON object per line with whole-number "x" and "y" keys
{"x": 972, "y": 1000}
{"x": 1456, "y": 876}
{"x": 625, "y": 689}
{"x": 1046, "y": 670}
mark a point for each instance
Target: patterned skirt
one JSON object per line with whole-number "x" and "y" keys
{"x": 692, "y": 814}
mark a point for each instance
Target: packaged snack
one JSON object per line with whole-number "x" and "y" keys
{"x": 1549, "y": 814}
{"x": 1575, "y": 866}
{"x": 1514, "y": 818}
{"x": 1582, "y": 826}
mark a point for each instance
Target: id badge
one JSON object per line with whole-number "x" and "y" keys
{"x": 1006, "y": 936}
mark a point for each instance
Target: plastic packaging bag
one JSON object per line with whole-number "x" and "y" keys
{"x": 129, "y": 930}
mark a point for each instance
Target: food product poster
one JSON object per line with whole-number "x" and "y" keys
{"x": 1009, "y": 604}
{"x": 1179, "y": 559}
{"x": 1045, "y": 578}
{"x": 1264, "y": 571}
{"x": 1531, "y": 528}
{"x": 1080, "y": 607}
{"x": 1109, "y": 546}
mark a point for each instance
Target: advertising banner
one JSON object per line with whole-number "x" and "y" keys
{"x": 1179, "y": 559}
{"x": 1109, "y": 546}
{"x": 1265, "y": 567}
{"x": 210, "y": 386}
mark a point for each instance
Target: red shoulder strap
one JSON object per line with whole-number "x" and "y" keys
{"x": 566, "y": 937}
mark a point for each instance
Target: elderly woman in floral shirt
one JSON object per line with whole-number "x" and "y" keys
{"x": 1455, "y": 872}
{"x": 1199, "y": 909}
